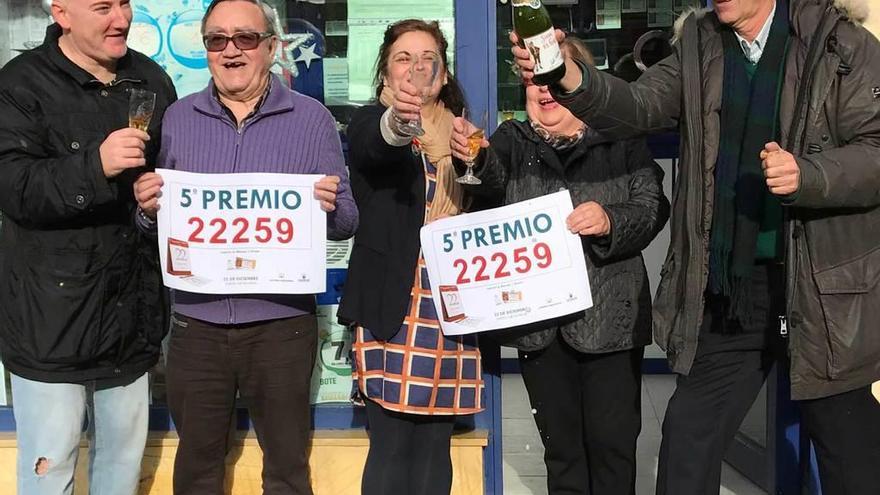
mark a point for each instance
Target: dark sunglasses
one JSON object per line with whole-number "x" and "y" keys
{"x": 243, "y": 41}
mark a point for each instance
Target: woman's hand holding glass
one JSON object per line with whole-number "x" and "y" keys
{"x": 422, "y": 75}
{"x": 466, "y": 142}
{"x": 406, "y": 107}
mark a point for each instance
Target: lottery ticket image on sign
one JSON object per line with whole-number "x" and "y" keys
{"x": 450, "y": 300}
{"x": 505, "y": 267}
{"x": 242, "y": 233}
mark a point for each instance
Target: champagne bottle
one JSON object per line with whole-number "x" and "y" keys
{"x": 532, "y": 24}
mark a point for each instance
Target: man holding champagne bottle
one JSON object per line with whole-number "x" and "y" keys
{"x": 82, "y": 309}
{"x": 532, "y": 22}
{"x": 778, "y": 105}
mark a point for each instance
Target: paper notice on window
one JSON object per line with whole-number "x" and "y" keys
{"x": 608, "y": 14}
{"x": 633, "y": 6}
{"x": 338, "y": 254}
{"x": 331, "y": 376}
{"x": 400, "y": 9}
{"x": 364, "y": 40}
{"x": 367, "y": 21}
{"x": 679, "y": 6}
{"x": 660, "y": 19}
{"x": 365, "y": 35}
{"x": 661, "y": 13}
{"x": 335, "y": 81}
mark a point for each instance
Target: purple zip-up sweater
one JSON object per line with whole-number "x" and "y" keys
{"x": 289, "y": 133}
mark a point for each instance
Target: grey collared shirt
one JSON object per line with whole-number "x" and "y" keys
{"x": 753, "y": 50}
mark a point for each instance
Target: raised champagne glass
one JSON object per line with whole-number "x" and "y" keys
{"x": 474, "y": 141}
{"x": 141, "y": 104}
{"x": 423, "y": 73}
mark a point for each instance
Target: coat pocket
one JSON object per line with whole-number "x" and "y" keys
{"x": 850, "y": 300}
{"x": 62, "y": 313}
{"x": 667, "y": 303}
{"x": 152, "y": 315}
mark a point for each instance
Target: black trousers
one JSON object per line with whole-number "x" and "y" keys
{"x": 409, "y": 453}
{"x": 845, "y": 430}
{"x": 270, "y": 365}
{"x": 709, "y": 404}
{"x": 588, "y": 411}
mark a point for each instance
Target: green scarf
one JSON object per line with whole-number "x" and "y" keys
{"x": 749, "y": 120}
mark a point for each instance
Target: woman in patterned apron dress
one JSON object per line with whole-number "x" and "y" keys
{"x": 412, "y": 379}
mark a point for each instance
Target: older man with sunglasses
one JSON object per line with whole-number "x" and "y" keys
{"x": 261, "y": 346}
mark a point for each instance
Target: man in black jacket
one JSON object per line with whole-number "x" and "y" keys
{"x": 81, "y": 302}
{"x": 773, "y": 230}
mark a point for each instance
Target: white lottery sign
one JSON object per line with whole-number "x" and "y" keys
{"x": 505, "y": 267}
{"x": 242, "y": 233}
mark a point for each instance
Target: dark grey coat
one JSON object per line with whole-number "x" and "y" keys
{"x": 623, "y": 178}
{"x": 830, "y": 121}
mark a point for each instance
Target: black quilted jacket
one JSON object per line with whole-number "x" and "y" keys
{"x": 623, "y": 178}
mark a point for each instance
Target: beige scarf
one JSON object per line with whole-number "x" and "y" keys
{"x": 437, "y": 123}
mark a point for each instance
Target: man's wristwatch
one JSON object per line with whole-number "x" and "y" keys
{"x": 144, "y": 217}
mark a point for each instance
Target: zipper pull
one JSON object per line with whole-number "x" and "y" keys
{"x": 783, "y": 326}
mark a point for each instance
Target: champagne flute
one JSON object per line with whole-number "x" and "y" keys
{"x": 423, "y": 73}
{"x": 141, "y": 104}
{"x": 474, "y": 141}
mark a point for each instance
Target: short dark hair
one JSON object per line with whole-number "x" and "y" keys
{"x": 268, "y": 14}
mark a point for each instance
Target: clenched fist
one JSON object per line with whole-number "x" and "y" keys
{"x": 781, "y": 170}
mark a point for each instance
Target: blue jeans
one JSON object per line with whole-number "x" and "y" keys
{"x": 49, "y": 419}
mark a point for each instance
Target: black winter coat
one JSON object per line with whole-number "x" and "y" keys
{"x": 81, "y": 295}
{"x": 624, "y": 179}
{"x": 388, "y": 183}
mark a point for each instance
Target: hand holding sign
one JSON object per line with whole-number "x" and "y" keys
{"x": 589, "y": 219}
{"x": 325, "y": 192}
{"x": 241, "y": 233}
{"x": 506, "y": 267}
{"x": 147, "y": 190}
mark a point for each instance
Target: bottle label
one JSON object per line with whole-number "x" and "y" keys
{"x": 544, "y": 51}
{"x": 535, "y": 4}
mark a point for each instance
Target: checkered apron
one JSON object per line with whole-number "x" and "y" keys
{"x": 419, "y": 370}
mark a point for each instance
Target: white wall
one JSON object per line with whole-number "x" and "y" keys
{"x": 654, "y": 256}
